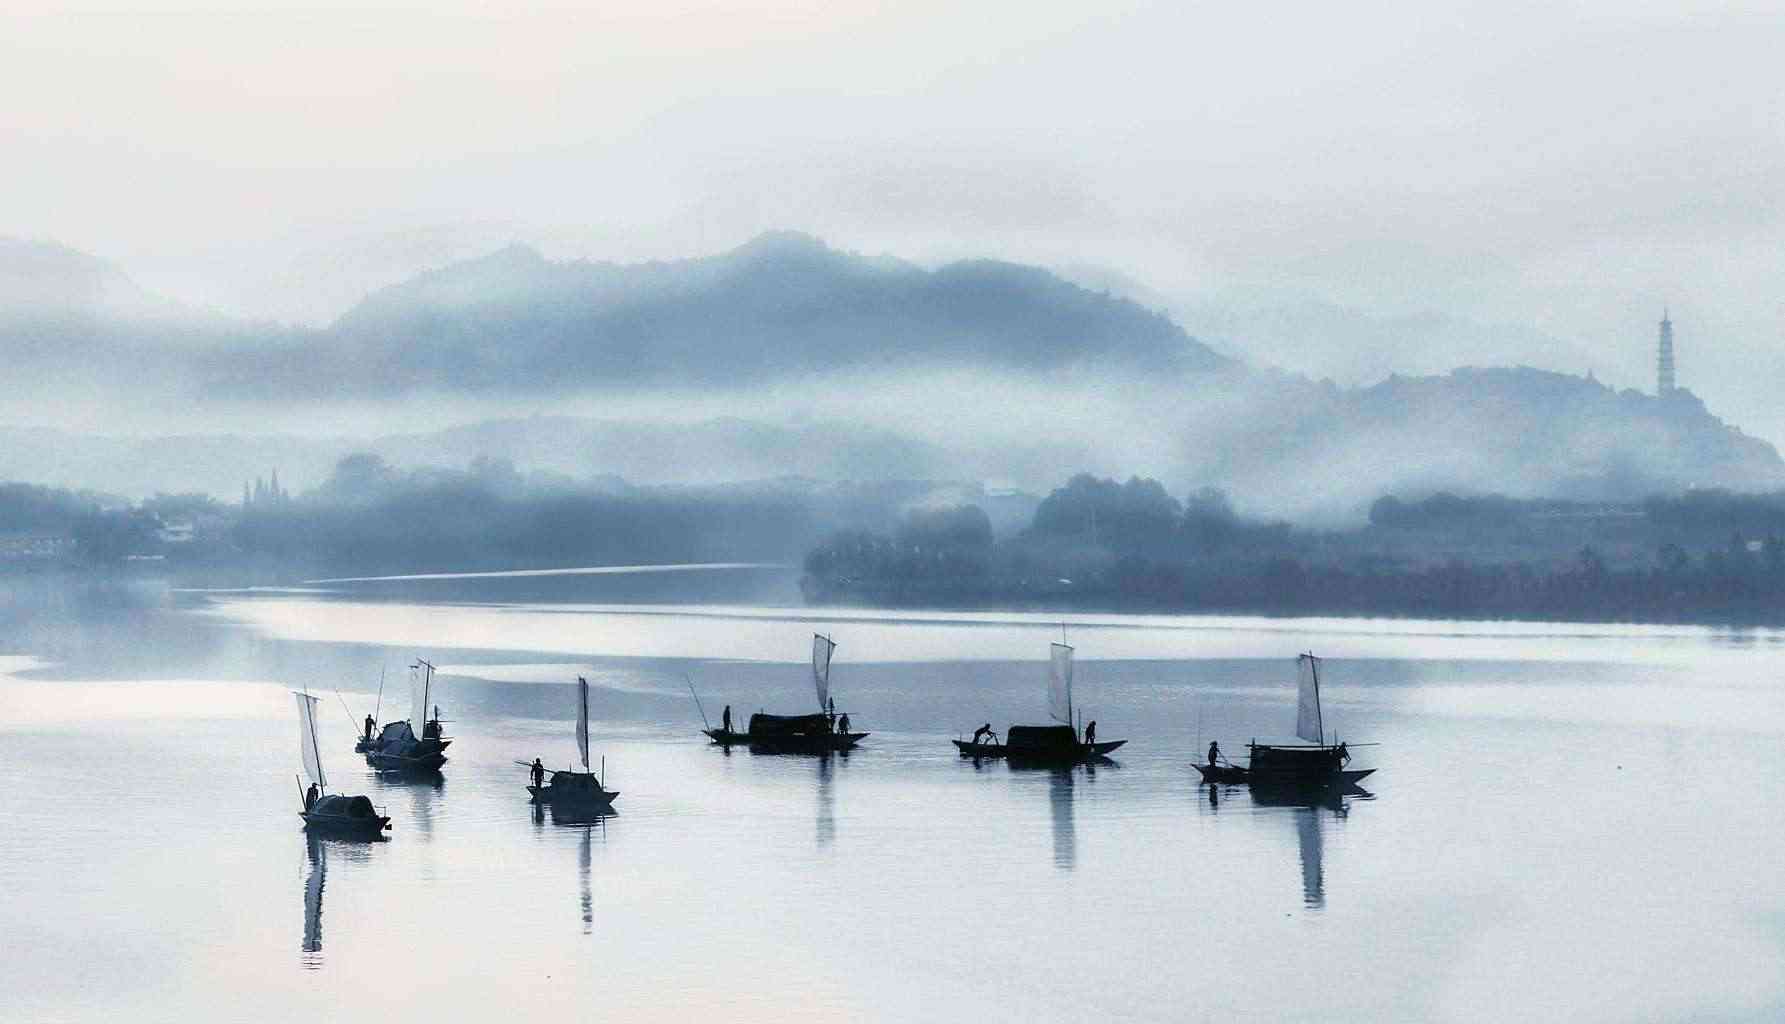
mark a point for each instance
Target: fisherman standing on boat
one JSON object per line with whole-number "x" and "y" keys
{"x": 369, "y": 725}
{"x": 1091, "y": 733}
{"x": 310, "y": 797}
{"x": 843, "y": 724}
{"x": 726, "y": 718}
{"x": 1214, "y": 752}
{"x": 538, "y": 774}
{"x": 984, "y": 730}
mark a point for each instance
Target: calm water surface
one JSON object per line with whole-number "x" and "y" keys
{"x": 1568, "y": 821}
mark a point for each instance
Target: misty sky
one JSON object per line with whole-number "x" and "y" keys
{"x": 1561, "y": 168}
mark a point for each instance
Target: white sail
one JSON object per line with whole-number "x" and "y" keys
{"x": 821, "y": 667}
{"x": 1059, "y": 684}
{"x": 420, "y": 679}
{"x": 311, "y": 753}
{"x": 1307, "y": 704}
{"x": 582, "y": 719}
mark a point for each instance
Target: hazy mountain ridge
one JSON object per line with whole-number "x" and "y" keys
{"x": 1517, "y": 431}
{"x": 779, "y": 306}
{"x": 788, "y": 308}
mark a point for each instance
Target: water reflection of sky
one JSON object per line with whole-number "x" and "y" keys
{"x": 1570, "y": 837}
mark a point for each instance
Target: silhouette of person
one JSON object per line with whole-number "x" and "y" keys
{"x": 538, "y": 774}
{"x": 311, "y": 796}
{"x": 1214, "y": 752}
{"x": 984, "y": 730}
{"x": 369, "y": 725}
{"x": 843, "y": 723}
{"x": 1344, "y": 755}
{"x": 726, "y": 719}
{"x": 1091, "y": 733}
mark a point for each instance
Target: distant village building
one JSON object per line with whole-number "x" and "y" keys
{"x": 1664, "y": 380}
{"x": 263, "y": 493}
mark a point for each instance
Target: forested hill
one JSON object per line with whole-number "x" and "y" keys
{"x": 779, "y": 306}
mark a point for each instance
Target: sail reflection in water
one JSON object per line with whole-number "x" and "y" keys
{"x": 316, "y": 852}
{"x": 827, "y": 802}
{"x": 1311, "y": 808}
{"x": 1309, "y": 842}
{"x": 422, "y": 790}
{"x": 1059, "y": 799}
{"x": 584, "y": 865}
{"x": 589, "y": 819}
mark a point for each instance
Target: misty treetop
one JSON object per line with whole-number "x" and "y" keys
{"x": 1099, "y": 543}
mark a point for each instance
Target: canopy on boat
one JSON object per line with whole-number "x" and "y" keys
{"x": 1041, "y": 737}
{"x": 397, "y": 732}
{"x": 344, "y": 806}
{"x": 788, "y": 725}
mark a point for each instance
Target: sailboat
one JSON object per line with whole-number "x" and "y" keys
{"x": 1045, "y": 744}
{"x": 569, "y": 787}
{"x": 397, "y": 748}
{"x": 798, "y": 734}
{"x": 346, "y": 815}
{"x": 1318, "y": 763}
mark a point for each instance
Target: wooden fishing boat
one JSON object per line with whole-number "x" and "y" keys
{"x": 345, "y": 815}
{"x": 1316, "y": 763}
{"x": 822, "y": 733}
{"x": 397, "y": 748}
{"x": 573, "y": 788}
{"x": 323, "y": 811}
{"x": 1045, "y": 744}
{"x": 1039, "y": 744}
{"x": 1237, "y": 774}
{"x": 788, "y": 734}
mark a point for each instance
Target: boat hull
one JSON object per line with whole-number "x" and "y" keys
{"x": 1234, "y": 774}
{"x": 345, "y": 825}
{"x": 1019, "y": 755}
{"x": 429, "y": 762}
{"x": 792, "y": 743}
{"x": 573, "y": 789}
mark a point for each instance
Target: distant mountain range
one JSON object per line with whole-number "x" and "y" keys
{"x": 787, "y": 310}
{"x": 780, "y": 306}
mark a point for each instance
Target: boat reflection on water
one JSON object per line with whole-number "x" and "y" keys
{"x": 1311, "y": 806}
{"x": 422, "y": 788}
{"x": 827, "y": 803}
{"x": 316, "y": 851}
{"x": 589, "y": 818}
{"x": 1059, "y": 802}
